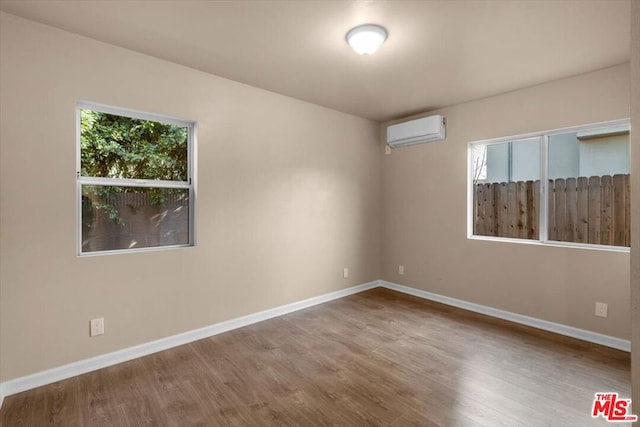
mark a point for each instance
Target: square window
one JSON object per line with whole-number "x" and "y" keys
{"x": 135, "y": 189}
{"x": 589, "y": 187}
{"x": 507, "y": 185}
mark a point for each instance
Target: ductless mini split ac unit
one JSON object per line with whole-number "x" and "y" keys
{"x": 418, "y": 131}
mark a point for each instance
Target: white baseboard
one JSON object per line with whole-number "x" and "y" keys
{"x": 570, "y": 331}
{"x": 49, "y": 376}
{"x": 38, "y": 379}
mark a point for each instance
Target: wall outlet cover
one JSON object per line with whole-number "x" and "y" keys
{"x": 96, "y": 327}
{"x": 601, "y": 309}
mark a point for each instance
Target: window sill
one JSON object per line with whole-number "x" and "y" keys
{"x": 569, "y": 245}
{"x": 133, "y": 250}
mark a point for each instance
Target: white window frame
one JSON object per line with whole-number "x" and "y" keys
{"x": 544, "y": 173}
{"x": 189, "y": 184}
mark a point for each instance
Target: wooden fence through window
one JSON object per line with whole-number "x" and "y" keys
{"x": 584, "y": 210}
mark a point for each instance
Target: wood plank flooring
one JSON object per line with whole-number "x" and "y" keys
{"x": 376, "y": 358}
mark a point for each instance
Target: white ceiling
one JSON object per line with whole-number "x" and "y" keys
{"x": 438, "y": 52}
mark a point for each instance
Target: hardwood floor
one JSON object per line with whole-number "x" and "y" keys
{"x": 375, "y": 358}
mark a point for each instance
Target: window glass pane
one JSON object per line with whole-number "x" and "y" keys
{"x": 129, "y": 217}
{"x": 506, "y": 189}
{"x": 115, "y": 146}
{"x": 589, "y": 187}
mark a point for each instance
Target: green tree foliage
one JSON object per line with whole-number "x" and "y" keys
{"x": 122, "y": 147}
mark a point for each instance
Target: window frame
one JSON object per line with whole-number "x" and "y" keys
{"x": 543, "y": 215}
{"x": 189, "y": 184}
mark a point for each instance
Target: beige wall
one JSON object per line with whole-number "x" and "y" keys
{"x": 635, "y": 203}
{"x": 288, "y": 195}
{"x": 424, "y": 213}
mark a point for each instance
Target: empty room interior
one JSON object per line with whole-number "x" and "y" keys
{"x": 302, "y": 213}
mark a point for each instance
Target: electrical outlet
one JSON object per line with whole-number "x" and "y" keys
{"x": 387, "y": 150}
{"x": 96, "y": 327}
{"x": 401, "y": 269}
{"x": 345, "y": 272}
{"x": 601, "y": 309}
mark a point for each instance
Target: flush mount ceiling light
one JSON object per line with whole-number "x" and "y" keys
{"x": 366, "y": 39}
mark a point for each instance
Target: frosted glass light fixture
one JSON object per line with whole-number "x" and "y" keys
{"x": 366, "y": 39}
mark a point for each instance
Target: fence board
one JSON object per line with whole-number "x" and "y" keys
{"x": 512, "y": 210}
{"x": 521, "y": 220}
{"x": 560, "y": 196}
{"x": 530, "y": 217}
{"x": 582, "y": 208}
{"x": 479, "y": 206}
{"x": 606, "y": 210}
{"x": 627, "y": 211}
{"x": 551, "y": 222}
{"x": 490, "y": 208}
{"x": 535, "y": 209}
{"x": 501, "y": 209}
{"x": 572, "y": 210}
{"x": 594, "y": 210}
{"x": 619, "y": 220}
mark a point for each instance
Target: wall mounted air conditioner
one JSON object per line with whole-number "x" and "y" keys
{"x": 426, "y": 129}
